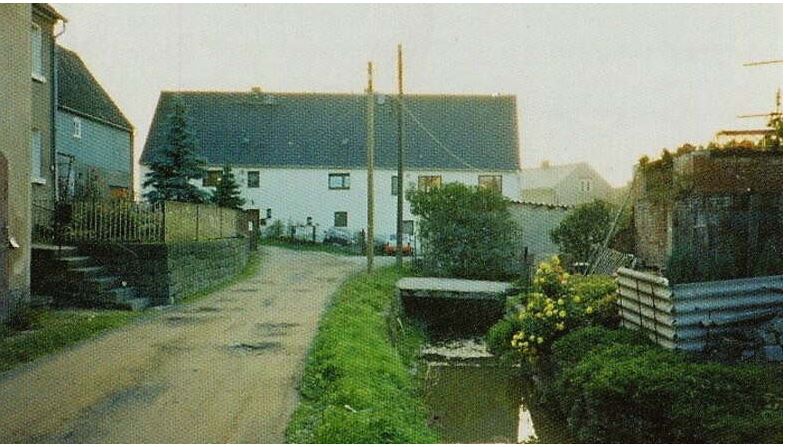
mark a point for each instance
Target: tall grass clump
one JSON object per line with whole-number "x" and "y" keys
{"x": 358, "y": 386}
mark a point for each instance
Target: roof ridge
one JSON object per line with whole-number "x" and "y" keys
{"x": 283, "y": 93}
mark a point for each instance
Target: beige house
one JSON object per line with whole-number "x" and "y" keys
{"x": 26, "y": 124}
{"x": 569, "y": 184}
{"x": 14, "y": 155}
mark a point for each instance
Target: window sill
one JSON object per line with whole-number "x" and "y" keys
{"x": 38, "y": 181}
{"x": 339, "y": 189}
{"x": 39, "y": 78}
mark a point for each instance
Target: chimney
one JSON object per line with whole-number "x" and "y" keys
{"x": 545, "y": 164}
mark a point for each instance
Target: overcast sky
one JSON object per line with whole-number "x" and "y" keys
{"x": 604, "y": 84}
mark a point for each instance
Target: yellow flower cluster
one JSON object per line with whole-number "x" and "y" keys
{"x": 527, "y": 345}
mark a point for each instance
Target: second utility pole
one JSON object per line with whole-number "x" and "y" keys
{"x": 370, "y": 169}
{"x": 400, "y": 174}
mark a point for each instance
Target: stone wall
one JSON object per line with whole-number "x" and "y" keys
{"x": 166, "y": 273}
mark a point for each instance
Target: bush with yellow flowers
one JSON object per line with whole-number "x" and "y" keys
{"x": 557, "y": 305}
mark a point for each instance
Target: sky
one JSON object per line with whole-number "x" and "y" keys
{"x": 604, "y": 84}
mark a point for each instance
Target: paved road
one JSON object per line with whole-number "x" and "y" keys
{"x": 223, "y": 369}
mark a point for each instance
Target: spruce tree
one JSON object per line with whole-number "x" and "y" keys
{"x": 171, "y": 171}
{"x": 227, "y": 193}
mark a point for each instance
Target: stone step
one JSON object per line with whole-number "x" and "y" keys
{"x": 53, "y": 251}
{"x": 100, "y": 284}
{"x": 86, "y": 272}
{"x": 74, "y": 261}
{"x": 138, "y": 303}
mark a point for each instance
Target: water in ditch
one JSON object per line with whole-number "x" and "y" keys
{"x": 472, "y": 399}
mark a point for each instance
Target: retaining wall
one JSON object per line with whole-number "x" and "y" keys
{"x": 166, "y": 273}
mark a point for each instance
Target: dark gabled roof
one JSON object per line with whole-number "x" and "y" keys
{"x": 328, "y": 130}
{"x": 80, "y": 92}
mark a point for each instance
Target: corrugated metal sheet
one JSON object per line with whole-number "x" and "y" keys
{"x": 681, "y": 316}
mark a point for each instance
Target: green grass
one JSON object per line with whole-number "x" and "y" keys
{"x": 310, "y": 246}
{"x": 358, "y": 386}
{"x": 53, "y": 330}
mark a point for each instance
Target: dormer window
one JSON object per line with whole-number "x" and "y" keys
{"x": 586, "y": 185}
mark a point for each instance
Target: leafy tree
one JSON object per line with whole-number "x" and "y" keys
{"x": 587, "y": 224}
{"x": 227, "y": 193}
{"x": 171, "y": 172}
{"x": 467, "y": 231}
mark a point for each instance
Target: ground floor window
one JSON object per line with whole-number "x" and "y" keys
{"x": 253, "y": 179}
{"x": 340, "y": 219}
{"x": 493, "y": 182}
{"x": 409, "y": 227}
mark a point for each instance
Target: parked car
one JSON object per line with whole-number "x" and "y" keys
{"x": 406, "y": 245}
{"x": 338, "y": 236}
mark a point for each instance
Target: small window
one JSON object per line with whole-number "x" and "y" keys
{"x": 37, "y": 52}
{"x": 77, "y": 127}
{"x": 338, "y": 181}
{"x": 37, "y": 151}
{"x": 268, "y": 213}
{"x": 429, "y": 182}
{"x": 586, "y": 185}
{"x": 309, "y": 221}
{"x": 409, "y": 227}
{"x": 212, "y": 178}
{"x": 253, "y": 179}
{"x": 340, "y": 219}
{"x": 493, "y": 182}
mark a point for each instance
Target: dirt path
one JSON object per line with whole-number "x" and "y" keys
{"x": 221, "y": 370}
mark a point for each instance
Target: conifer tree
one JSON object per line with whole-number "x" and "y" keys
{"x": 227, "y": 193}
{"x": 171, "y": 171}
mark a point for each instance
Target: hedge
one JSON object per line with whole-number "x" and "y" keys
{"x": 615, "y": 387}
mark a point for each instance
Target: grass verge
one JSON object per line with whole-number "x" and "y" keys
{"x": 52, "y": 330}
{"x": 311, "y": 246}
{"x": 358, "y": 386}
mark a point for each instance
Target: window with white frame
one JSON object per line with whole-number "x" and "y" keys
{"x": 37, "y": 151}
{"x": 586, "y": 185}
{"x": 77, "y": 127}
{"x": 37, "y": 51}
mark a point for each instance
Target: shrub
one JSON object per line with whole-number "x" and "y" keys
{"x": 666, "y": 396}
{"x": 557, "y": 305}
{"x": 357, "y": 387}
{"x": 467, "y": 232}
{"x": 587, "y": 224}
{"x": 499, "y": 336}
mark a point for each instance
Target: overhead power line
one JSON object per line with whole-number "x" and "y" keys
{"x": 434, "y": 138}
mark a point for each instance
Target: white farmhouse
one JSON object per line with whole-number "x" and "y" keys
{"x": 301, "y": 157}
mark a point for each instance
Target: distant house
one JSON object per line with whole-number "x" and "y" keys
{"x": 301, "y": 158}
{"x": 535, "y": 222}
{"x": 94, "y": 140}
{"x": 569, "y": 184}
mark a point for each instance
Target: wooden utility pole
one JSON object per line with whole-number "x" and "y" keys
{"x": 370, "y": 168}
{"x": 400, "y": 173}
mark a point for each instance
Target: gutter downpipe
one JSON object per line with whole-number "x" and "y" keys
{"x": 56, "y": 185}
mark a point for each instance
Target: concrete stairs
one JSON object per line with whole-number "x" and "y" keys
{"x": 75, "y": 280}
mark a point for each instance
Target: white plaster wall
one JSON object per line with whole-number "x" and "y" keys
{"x": 295, "y": 194}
